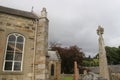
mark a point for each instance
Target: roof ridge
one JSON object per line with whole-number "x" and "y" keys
{"x": 22, "y": 13}
{"x": 13, "y": 8}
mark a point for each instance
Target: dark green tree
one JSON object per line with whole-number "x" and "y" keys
{"x": 113, "y": 55}
{"x": 68, "y": 56}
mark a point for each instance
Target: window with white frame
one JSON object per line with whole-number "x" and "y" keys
{"x": 14, "y": 52}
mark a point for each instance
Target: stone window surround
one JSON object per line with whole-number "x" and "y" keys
{"x": 18, "y": 34}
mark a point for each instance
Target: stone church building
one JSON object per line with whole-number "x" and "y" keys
{"x": 54, "y": 65}
{"x": 23, "y": 44}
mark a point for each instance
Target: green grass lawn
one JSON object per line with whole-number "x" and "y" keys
{"x": 68, "y": 78}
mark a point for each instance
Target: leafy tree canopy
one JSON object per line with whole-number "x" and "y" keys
{"x": 68, "y": 56}
{"x": 113, "y": 55}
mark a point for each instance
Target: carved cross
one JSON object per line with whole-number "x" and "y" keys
{"x": 100, "y": 30}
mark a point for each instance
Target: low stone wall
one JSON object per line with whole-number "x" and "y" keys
{"x": 112, "y": 68}
{"x": 115, "y": 76}
{"x": 92, "y": 76}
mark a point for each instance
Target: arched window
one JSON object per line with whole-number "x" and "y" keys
{"x": 14, "y": 52}
{"x": 52, "y": 69}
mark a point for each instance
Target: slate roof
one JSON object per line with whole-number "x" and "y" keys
{"x": 18, "y": 12}
{"x": 53, "y": 55}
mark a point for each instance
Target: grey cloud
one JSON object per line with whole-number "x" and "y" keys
{"x": 75, "y": 22}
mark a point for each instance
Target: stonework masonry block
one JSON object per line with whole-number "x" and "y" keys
{"x": 35, "y": 48}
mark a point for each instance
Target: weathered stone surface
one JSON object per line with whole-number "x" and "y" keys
{"x": 54, "y": 61}
{"x": 35, "y": 47}
{"x": 76, "y": 76}
{"x": 104, "y": 72}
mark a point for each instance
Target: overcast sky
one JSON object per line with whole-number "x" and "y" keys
{"x": 74, "y": 22}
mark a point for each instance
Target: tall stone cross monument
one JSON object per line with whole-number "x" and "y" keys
{"x": 103, "y": 67}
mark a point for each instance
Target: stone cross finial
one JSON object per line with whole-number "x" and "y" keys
{"x": 43, "y": 12}
{"x": 32, "y": 9}
{"x": 100, "y": 30}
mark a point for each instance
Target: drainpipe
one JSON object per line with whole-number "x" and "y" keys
{"x": 35, "y": 39}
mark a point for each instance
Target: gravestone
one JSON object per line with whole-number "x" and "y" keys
{"x": 76, "y": 75}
